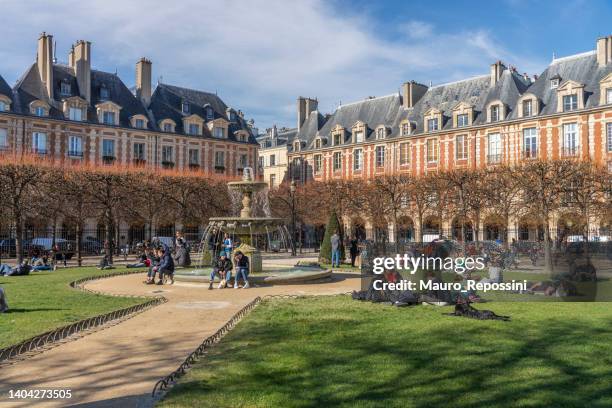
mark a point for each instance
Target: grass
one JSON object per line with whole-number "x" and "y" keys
{"x": 42, "y": 301}
{"x": 333, "y": 351}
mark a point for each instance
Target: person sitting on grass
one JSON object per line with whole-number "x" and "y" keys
{"x": 40, "y": 263}
{"x": 241, "y": 262}
{"x": 20, "y": 270}
{"x": 166, "y": 265}
{"x": 105, "y": 263}
{"x": 223, "y": 267}
{"x": 3, "y": 303}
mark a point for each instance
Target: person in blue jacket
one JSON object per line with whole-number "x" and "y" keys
{"x": 166, "y": 264}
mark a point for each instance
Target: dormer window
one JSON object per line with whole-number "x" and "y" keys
{"x": 167, "y": 127}
{"x": 463, "y": 120}
{"x": 75, "y": 114}
{"x": 554, "y": 83}
{"x": 570, "y": 102}
{"x": 380, "y": 133}
{"x": 432, "y": 125}
{"x": 185, "y": 107}
{"x": 359, "y": 136}
{"x": 108, "y": 118}
{"x": 39, "y": 111}
{"x": 527, "y": 108}
{"x": 218, "y": 132}
{"x": 139, "y": 123}
{"x": 405, "y": 129}
{"x": 232, "y": 115}
{"x": 3, "y": 106}
{"x": 609, "y": 96}
{"x": 39, "y": 108}
{"x": 193, "y": 129}
{"x": 494, "y": 113}
{"x": 65, "y": 89}
{"x": 317, "y": 144}
{"x": 209, "y": 113}
{"x": 296, "y": 146}
{"x": 104, "y": 93}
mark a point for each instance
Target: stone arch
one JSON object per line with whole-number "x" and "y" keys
{"x": 381, "y": 229}
{"x": 494, "y": 228}
{"x": 358, "y": 228}
{"x": 530, "y": 228}
{"x": 468, "y": 229}
{"x": 405, "y": 229}
{"x": 432, "y": 228}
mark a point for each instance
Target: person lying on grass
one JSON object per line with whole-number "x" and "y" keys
{"x": 222, "y": 267}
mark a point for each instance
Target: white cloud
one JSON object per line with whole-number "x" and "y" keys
{"x": 258, "y": 55}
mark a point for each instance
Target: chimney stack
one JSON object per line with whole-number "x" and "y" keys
{"x": 305, "y": 107}
{"x": 44, "y": 60}
{"x": 411, "y": 93}
{"x": 143, "y": 81}
{"x": 82, "y": 68}
{"x": 71, "y": 57}
{"x": 604, "y": 50}
{"x": 496, "y": 72}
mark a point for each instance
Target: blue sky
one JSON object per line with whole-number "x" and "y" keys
{"x": 259, "y": 55}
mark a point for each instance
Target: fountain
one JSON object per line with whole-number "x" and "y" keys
{"x": 251, "y": 234}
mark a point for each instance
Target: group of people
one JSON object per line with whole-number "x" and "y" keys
{"x": 224, "y": 264}
{"x": 336, "y": 252}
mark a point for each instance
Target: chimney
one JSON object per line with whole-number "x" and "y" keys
{"x": 143, "y": 81}
{"x": 411, "y": 93}
{"x": 44, "y": 60}
{"x": 274, "y": 132}
{"x": 604, "y": 50}
{"x": 71, "y": 57}
{"x": 496, "y": 72}
{"x": 305, "y": 107}
{"x": 82, "y": 68}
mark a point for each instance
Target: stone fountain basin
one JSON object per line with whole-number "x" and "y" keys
{"x": 247, "y": 225}
{"x": 275, "y": 275}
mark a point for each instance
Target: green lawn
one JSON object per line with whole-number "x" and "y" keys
{"x": 333, "y": 351}
{"x": 43, "y": 300}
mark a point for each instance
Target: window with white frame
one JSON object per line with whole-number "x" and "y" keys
{"x": 432, "y": 151}
{"x": 39, "y": 142}
{"x": 65, "y": 89}
{"x": 337, "y": 158}
{"x": 2, "y": 106}
{"x": 463, "y": 120}
{"x": 218, "y": 132}
{"x": 317, "y": 163}
{"x": 527, "y": 108}
{"x": 380, "y": 156}
{"x": 108, "y": 148}
{"x": 139, "y": 123}
{"x": 139, "y": 151}
{"x": 405, "y": 129}
{"x": 359, "y": 136}
{"x": 530, "y": 143}
{"x": 261, "y": 161}
{"x": 494, "y": 113}
{"x": 380, "y": 133}
{"x": 167, "y": 127}
{"x": 104, "y": 93}
{"x": 167, "y": 154}
{"x": 432, "y": 125}
{"x": 243, "y": 161}
{"x": 185, "y": 107}
{"x": 609, "y": 95}
{"x": 317, "y": 143}
{"x": 40, "y": 111}
{"x": 494, "y": 148}
{"x": 570, "y": 102}
{"x": 609, "y": 136}
{"x": 272, "y": 180}
{"x": 209, "y": 114}
{"x": 194, "y": 157}
{"x": 357, "y": 159}
{"x": 461, "y": 151}
{"x": 75, "y": 114}
{"x": 272, "y": 160}
{"x": 337, "y": 138}
{"x": 570, "y": 139}
{"x": 75, "y": 146}
{"x": 404, "y": 153}
{"x": 108, "y": 118}
{"x": 554, "y": 83}
{"x": 3, "y": 138}
{"x": 193, "y": 129}
{"x": 219, "y": 159}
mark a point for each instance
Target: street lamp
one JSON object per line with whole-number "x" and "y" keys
{"x": 292, "y": 189}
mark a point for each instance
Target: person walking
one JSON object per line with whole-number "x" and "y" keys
{"x": 354, "y": 250}
{"x": 335, "y": 247}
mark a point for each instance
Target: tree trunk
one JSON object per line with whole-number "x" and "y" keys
{"x": 78, "y": 244}
{"x": 548, "y": 267}
{"x": 19, "y": 239}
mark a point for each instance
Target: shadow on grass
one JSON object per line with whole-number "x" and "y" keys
{"x": 349, "y": 354}
{"x": 32, "y": 310}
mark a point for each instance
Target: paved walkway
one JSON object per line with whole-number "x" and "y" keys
{"x": 118, "y": 366}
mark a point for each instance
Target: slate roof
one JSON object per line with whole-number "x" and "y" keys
{"x": 30, "y": 88}
{"x": 582, "y": 68}
{"x": 283, "y": 136}
{"x": 167, "y": 100}
{"x": 5, "y": 89}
